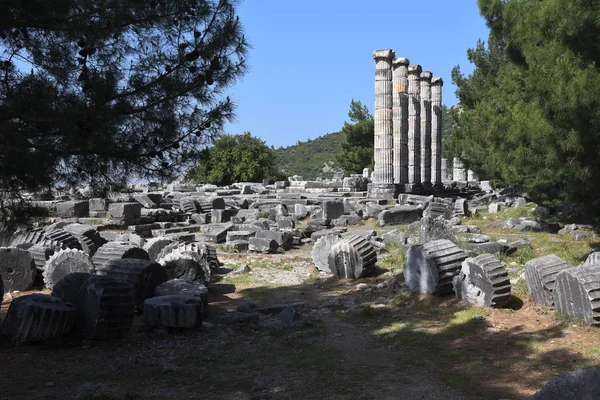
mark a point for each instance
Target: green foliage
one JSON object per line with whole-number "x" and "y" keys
{"x": 311, "y": 159}
{"x": 98, "y": 91}
{"x": 357, "y": 144}
{"x": 531, "y": 108}
{"x": 241, "y": 158}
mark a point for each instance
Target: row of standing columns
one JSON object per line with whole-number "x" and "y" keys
{"x": 408, "y": 125}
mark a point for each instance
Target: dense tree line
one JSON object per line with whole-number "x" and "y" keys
{"x": 530, "y": 111}
{"x": 98, "y": 91}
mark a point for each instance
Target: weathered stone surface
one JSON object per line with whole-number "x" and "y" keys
{"x": 65, "y": 262}
{"x": 593, "y": 259}
{"x": 263, "y": 245}
{"x": 438, "y": 209}
{"x": 41, "y": 252}
{"x": 125, "y": 211}
{"x": 186, "y": 264}
{"x": 383, "y": 174}
{"x": 431, "y": 267}
{"x": 434, "y": 229}
{"x": 321, "y": 249}
{"x": 16, "y": 268}
{"x": 487, "y": 247}
{"x": 142, "y": 275}
{"x": 483, "y": 281}
{"x": 218, "y": 233}
{"x": 394, "y": 236}
{"x": 68, "y": 287}
{"x": 283, "y": 239}
{"x": 540, "y": 276}
{"x": 73, "y": 209}
{"x": 237, "y": 245}
{"x": 332, "y": 209}
{"x": 581, "y": 384}
{"x": 184, "y": 288}
{"x": 399, "y": 215}
{"x": 33, "y": 236}
{"x": 352, "y": 257}
{"x": 577, "y": 293}
{"x": 240, "y": 235}
{"x": 115, "y": 250}
{"x": 104, "y": 308}
{"x": 98, "y": 204}
{"x": 36, "y": 317}
{"x": 206, "y": 204}
{"x": 66, "y": 239}
{"x": 154, "y": 246}
{"x": 173, "y": 311}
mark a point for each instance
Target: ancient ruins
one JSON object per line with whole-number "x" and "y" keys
{"x": 408, "y": 130}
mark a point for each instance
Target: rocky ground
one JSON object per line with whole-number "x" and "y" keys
{"x": 366, "y": 339}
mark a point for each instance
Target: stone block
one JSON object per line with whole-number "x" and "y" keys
{"x": 98, "y": 204}
{"x": 399, "y": 215}
{"x": 73, "y": 209}
{"x": 332, "y": 209}
{"x": 125, "y": 211}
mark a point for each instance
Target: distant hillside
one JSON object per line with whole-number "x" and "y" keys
{"x": 311, "y": 159}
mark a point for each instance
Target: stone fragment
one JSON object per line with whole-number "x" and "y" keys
{"x": 431, "y": 267}
{"x": 36, "y": 317}
{"x": 186, "y": 264}
{"x": 579, "y": 384}
{"x": 68, "y": 287}
{"x": 65, "y": 262}
{"x": 577, "y": 293}
{"x": 394, "y": 236}
{"x": 104, "y": 308}
{"x": 184, "y": 288}
{"x": 540, "y": 276}
{"x": 263, "y": 245}
{"x": 434, "y": 229}
{"x": 592, "y": 259}
{"x": 41, "y": 252}
{"x": 206, "y": 204}
{"x": 173, "y": 311}
{"x": 487, "y": 247}
{"x": 125, "y": 211}
{"x": 221, "y": 216}
{"x": 352, "y": 257}
{"x": 237, "y": 245}
{"x": 142, "y": 275}
{"x": 218, "y": 233}
{"x": 66, "y": 239}
{"x": 33, "y": 237}
{"x": 154, "y": 245}
{"x": 332, "y": 209}
{"x": 494, "y": 208}
{"x": 73, "y": 209}
{"x": 321, "y": 249}
{"x": 438, "y": 209}
{"x": 399, "y": 215}
{"x": 98, "y": 205}
{"x": 283, "y": 239}
{"x": 16, "y": 268}
{"x": 115, "y": 250}
{"x": 239, "y": 235}
{"x": 483, "y": 281}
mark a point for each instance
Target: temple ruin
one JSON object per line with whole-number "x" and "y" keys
{"x": 408, "y": 128}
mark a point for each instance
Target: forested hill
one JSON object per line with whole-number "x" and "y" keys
{"x": 311, "y": 159}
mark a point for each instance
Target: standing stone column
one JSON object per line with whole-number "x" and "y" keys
{"x": 436, "y": 133}
{"x": 444, "y": 169}
{"x": 400, "y": 119}
{"x": 426, "y": 129}
{"x": 383, "y": 177}
{"x": 459, "y": 173}
{"x": 414, "y": 129}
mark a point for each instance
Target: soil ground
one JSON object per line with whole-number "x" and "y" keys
{"x": 347, "y": 343}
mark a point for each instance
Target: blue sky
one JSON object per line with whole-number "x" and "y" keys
{"x": 310, "y": 58}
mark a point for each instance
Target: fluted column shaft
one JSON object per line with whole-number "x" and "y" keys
{"x": 425, "y": 83}
{"x": 414, "y": 124}
{"x": 436, "y": 130}
{"x": 400, "y": 119}
{"x": 383, "y": 174}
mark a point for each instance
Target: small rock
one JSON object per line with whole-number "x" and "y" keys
{"x": 273, "y": 325}
{"x": 244, "y": 269}
{"x": 362, "y": 286}
{"x": 566, "y": 332}
{"x": 420, "y": 330}
{"x": 287, "y": 316}
{"x": 479, "y": 317}
{"x": 207, "y": 324}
